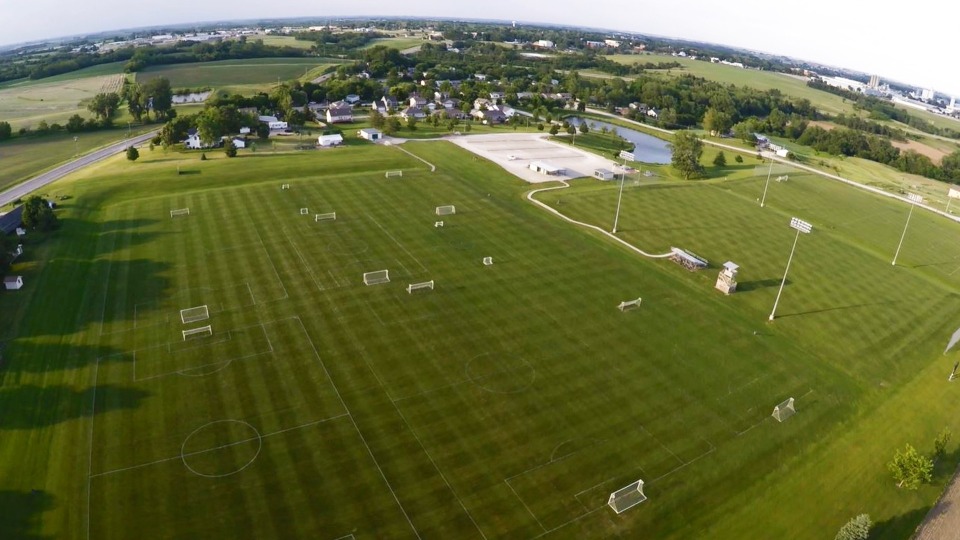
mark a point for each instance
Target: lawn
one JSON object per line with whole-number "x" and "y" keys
{"x": 250, "y": 75}
{"x": 26, "y": 103}
{"x": 510, "y": 400}
{"x": 25, "y": 157}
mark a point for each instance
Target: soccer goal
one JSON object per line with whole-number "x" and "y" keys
{"x": 330, "y": 216}
{"x": 784, "y": 410}
{"x": 487, "y": 261}
{"x": 304, "y": 211}
{"x": 284, "y": 186}
{"x": 626, "y": 498}
{"x": 180, "y": 212}
{"x": 783, "y": 178}
{"x": 194, "y": 333}
{"x": 446, "y": 210}
{"x": 438, "y": 224}
{"x": 629, "y": 304}
{"x": 420, "y": 286}
{"x": 390, "y": 174}
{"x": 194, "y": 314}
{"x": 376, "y": 277}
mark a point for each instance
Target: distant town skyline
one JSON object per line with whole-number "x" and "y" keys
{"x": 908, "y": 45}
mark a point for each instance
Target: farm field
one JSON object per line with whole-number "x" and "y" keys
{"x": 506, "y": 402}
{"x": 244, "y": 75}
{"x": 25, "y": 103}
{"x": 399, "y": 43}
{"x": 285, "y": 41}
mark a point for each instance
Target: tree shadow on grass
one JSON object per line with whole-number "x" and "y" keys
{"x": 30, "y": 407}
{"x": 747, "y": 286}
{"x": 838, "y": 308}
{"x": 21, "y": 511}
{"x": 25, "y": 356}
{"x": 899, "y": 527}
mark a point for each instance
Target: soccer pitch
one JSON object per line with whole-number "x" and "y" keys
{"x": 509, "y": 400}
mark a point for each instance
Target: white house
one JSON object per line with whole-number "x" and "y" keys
{"x": 370, "y": 134}
{"x": 352, "y": 99}
{"x": 334, "y": 139}
{"x": 339, "y": 114}
{"x": 13, "y": 283}
{"x": 417, "y": 101}
{"x": 273, "y": 123}
{"x": 413, "y": 112}
{"x": 239, "y": 142}
{"x": 193, "y": 141}
{"x": 544, "y": 44}
{"x": 244, "y": 131}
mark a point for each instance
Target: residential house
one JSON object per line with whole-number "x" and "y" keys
{"x": 193, "y": 141}
{"x": 417, "y": 101}
{"x": 544, "y": 44}
{"x": 450, "y": 103}
{"x": 440, "y": 96}
{"x": 413, "y": 112}
{"x": 273, "y": 123}
{"x": 653, "y": 113}
{"x": 507, "y": 110}
{"x": 481, "y": 103}
{"x": 389, "y": 103}
{"x": 339, "y": 112}
{"x": 489, "y": 116}
{"x": 244, "y": 131}
{"x": 494, "y": 96}
{"x": 453, "y": 114}
{"x": 479, "y": 76}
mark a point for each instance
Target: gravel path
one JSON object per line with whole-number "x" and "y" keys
{"x": 943, "y": 520}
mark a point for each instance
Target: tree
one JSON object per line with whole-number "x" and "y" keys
{"x": 581, "y": 105}
{"x": 133, "y": 93}
{"x": 391, "y": 126}
{"x": 950, "y": 164}
{"x": 6, "y": 131}
{"x": 858, "y": 528}
{"x": 687, "y": 149}
{"x": 376, "y": 119}
{"x": 583, "y": 128}
{"x": 738, "y": 159}
{"x": 157, "y": 92}
{"x": 910, "y": 468}
{"x": 540, "y": 126}
{"x": 132, "y": 153}
{"x": 720, "y": 160}
{"x": 941, "y": 442}
{"x": 75, "y": 124}
{"x": 411, "y": 123}
{"x": 38, "y": 215}
{"x": 263, "y": 131}
{"x": 716, "y": 121}
{"x": 554, "y": 129}
{"x": 230, "y": 149}
{"x": 104, "y": 106}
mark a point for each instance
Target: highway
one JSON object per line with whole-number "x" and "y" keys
{"x": 23, "y": 189}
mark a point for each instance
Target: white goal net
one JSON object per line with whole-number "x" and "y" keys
{"x": 784, "y": 410}
{"x": 194, "y": 314}
{"x": 194, "y": 333}
{"x": 446, "y": 210}
{"x": 304, "y": 211}
{"x": 629, "y": 304}
{"x": 627, "y": 497}
{"x": 390, "y": 174}
{"x": 329, "y": 216}
{"x": 420, "y": 286}
{"x": 180, "y": 212}
{"x": 487, "y": 261}
{"x": 376, "y": 277}
{"x": 284, "y": 186}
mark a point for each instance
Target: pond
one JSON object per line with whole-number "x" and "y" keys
{"x": 648, "y": 149}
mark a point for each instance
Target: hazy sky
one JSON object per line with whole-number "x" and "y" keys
{"x": 902, "y": 40}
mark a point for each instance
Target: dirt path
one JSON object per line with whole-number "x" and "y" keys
{"x": 933, "y": 153}
{"x": 943, "y": 520}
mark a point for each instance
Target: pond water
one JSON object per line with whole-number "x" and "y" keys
{"x": 648, "y": 149}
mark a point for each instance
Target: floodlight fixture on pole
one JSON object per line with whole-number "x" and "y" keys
{"x": 914, "y": 200}
{"x": 767, "y": 183}
{"x": 801, "y": 227}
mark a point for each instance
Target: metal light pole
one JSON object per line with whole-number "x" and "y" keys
{"x": 914, "y": 200}
{"x": 801, "y": 227}
{"x": 767, "y": 183}
{"x": 623, "y": 178}
{"x": 76, "y": 149}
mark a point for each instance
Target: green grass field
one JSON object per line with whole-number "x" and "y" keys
{"x": 507, "y": 402}
{"x": 244, "y": 75}
{"x": 399, "y": 43}
{"x": 285, "y": 41}
{"x": 24, "y": 103}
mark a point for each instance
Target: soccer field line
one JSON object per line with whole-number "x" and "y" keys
{"x": 574, "y": 520}
{"x": 524, "y": 503}
{"x": 353, "y": 420}
{"x": 216, "y": 448}
{"x": 665, "y": 447}
{"x": 274, "y": 266}
{"x": 466, "y": 379}
{"x": 303, "y": 260}
{"x": 93, "y": 416}
{"x": 401, "y": 246}
{"x": 433, "y": 168}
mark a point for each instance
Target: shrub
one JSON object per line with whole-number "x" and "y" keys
{"x": 858, "y": 528}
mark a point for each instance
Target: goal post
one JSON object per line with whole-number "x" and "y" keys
{"x": 627, "y": 497}
{"x": 329, "y": 216}
{"x": 390, "y": 174}
{"x": 179, "y": 212}
{"x": 194, "y": 314}
{"x": 201, "y": 332}
{"x": 284, "y": 186}
{"x": 629, "y": 304}
{"x": 376, "y": 277}
{"x": 420, "y": 286}
{"x": 487, "y": 261}
{"x": 446, "y": 210}
{"x": 304, "y": 211}
{"x": 784, "y": 410}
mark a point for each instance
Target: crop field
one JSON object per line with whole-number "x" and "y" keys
{"x": 250, "y": 74}
{"x": 25, "y": 103}
{"x": 285, "y": 41}
{"x": 223, "y": 371}
{"x": 400, "y": 43}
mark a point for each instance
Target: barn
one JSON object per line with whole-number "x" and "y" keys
{"x": 13, "y": 283}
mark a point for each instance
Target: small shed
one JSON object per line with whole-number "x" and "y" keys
{"x": 370, "y": 134}
{"x": 13, "y": 283}
{"x": 603, "y": 174}
{"x": 545, "y": 168}
{"x": 334, "y": 139}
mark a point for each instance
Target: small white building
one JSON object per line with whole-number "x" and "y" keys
{"x": 244, "y": 131}
{"x": 239, "y": 142}
{"x": 13, "y": 283}
{"x": 603, "y": 174}
{"x": 545, "y": 168}
{"x": 326, "y": 141}
{"x": 370, "y": 134}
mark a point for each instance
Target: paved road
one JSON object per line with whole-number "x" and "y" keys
{"x": 37, "y": 182}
